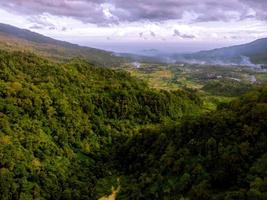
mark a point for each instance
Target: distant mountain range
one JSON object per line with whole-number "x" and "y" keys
{"x": 246, "y": 54}
{"x": 13, "y": 38}
{"x": 253, "y": 54}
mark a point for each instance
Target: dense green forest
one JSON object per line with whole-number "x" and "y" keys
{"x": 58, "y": 122}
{"x": 220, "y": 155}
{"x": 74, "y": 131}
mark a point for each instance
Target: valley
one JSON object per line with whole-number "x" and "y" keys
{"x": 215, "y": 84}
{"x": 81, "y": 123}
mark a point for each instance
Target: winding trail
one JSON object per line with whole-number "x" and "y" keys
{"x": 112, "y": 196}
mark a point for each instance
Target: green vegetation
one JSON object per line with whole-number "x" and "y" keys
{"x": 226, "y": 87}
{"x": 221, "y": 156}
{"x": 58, "y": 123}
{"x": 76, "y": 131}
{"x": 215, "y": 84}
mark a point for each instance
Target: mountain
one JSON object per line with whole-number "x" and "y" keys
{"x": 142, "y": 58}
{"x": 13, "y": 38}
{"x": 246, "y": 54}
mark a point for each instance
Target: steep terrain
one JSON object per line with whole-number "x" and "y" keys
{"x": 76, "y": 131}
{"x": 219, "y": 156}
{"x": 13, "y": 38}
{"x": 59, "y": 123}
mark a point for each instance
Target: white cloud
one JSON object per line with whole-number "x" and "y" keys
{"x": 13, "y": 19}
{"x": 74, "y": 30}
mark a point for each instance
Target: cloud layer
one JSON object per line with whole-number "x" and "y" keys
{"x": 104, "y": 12}
{"x": 182, "y": 35}
{"x": 93, "y": 22}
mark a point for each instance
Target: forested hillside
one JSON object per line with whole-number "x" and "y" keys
{"x": 221, "y": 155}
{"x": 74, "y": 131}
{"x": 59, "y": 124}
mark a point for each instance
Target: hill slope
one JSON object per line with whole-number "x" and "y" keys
{"x": 218, "y": 156}
{"x": 58, "y": 123}
{"x": 13, "y": 38}
{"x": 68, "y": 131}
{"x": 246, "y": 54}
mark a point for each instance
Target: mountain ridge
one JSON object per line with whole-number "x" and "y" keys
{"x": 251, "y": 53}
{"x": 13, "y": 38}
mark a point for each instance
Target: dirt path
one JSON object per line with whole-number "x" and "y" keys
{"x": 112, "y": 196}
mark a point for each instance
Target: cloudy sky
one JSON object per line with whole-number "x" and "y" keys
{"x": 120, "y": 25}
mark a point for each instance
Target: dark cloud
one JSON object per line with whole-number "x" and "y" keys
{"x": 36, "y": 27}
{"x": 181, "y": 35}
{"x": 84, "y": 10}
{"x": 114, "y": 11}
{"x": 142, "y": 35}
{"x": 260, "y": 7}
{"x": 42, "y": 23}
{"x": 152, "y": 34}
{"x": 201, "y": 10}
{"x": 234, "y": 37}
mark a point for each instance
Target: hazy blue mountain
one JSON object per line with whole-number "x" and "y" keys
{"x": 247, "y": 54}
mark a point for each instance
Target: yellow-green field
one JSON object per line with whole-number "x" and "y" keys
{"x": 213, "y": 83}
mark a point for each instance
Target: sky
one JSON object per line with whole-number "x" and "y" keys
{"x": 142, "y": 25}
